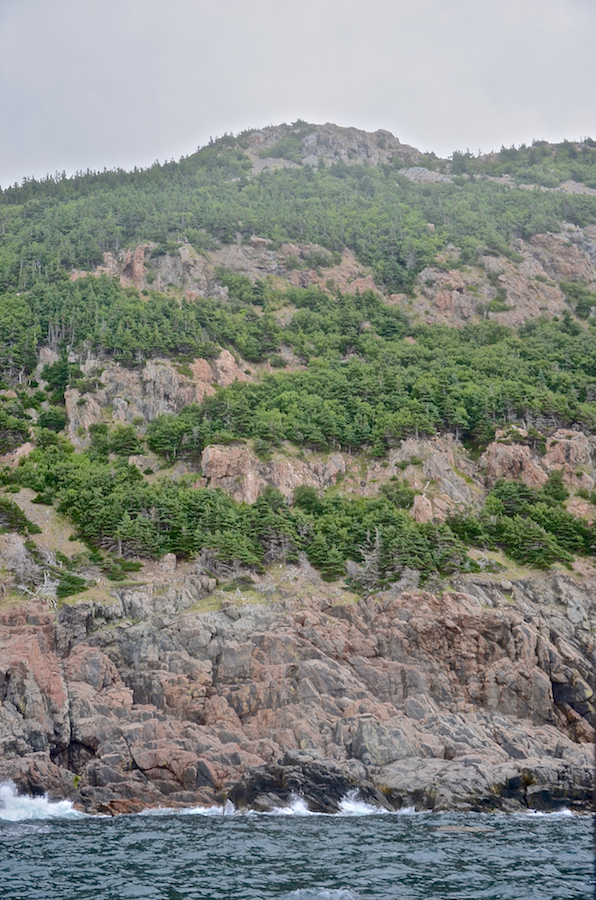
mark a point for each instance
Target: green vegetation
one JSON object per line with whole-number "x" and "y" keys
{"x": 70, "y": 584}
{"x": 13, "y": 427}
{"x": 364, "y": 389}
{"x": 579, "y": 295}
{"x": 53, "y": 225}
{"x": 359, "y": 385}
{"x": 540, "y": 164}
{"x": 12, "y": 518}
{"x": 467, "y": 381}
{"x": 98, "y": 314}
{"x": 116, "y": 510}
{"x": 530, "y": 524}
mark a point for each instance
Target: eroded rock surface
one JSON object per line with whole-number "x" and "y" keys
{"x": 567, "y": 451}
{"x": 324, "y": 145}
{"x": 133, "y": 395}
{"x": 476, "y": 699}
{"x": 242, "y": 475}
{"x": 509, "y": 292}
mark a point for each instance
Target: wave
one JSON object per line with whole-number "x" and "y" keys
{"x": 559, "y": 813}
{"x": 18, "y": 808}
{"x": 349, "y": 806}
{"x": 297, "y": 807}
{"x": 228, "y": 809}
{"x": 320, "y": 894}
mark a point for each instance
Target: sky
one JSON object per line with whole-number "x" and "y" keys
{"x": 102, "y": 84}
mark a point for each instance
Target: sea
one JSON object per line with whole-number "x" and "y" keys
{"x": 49, "y": 851}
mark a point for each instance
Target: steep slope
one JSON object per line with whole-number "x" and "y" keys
{"x": 501, "y": 289}
{"x": 297, "y": 476}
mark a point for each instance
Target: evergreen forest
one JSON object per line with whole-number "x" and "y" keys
{"x": 366, "y": 373}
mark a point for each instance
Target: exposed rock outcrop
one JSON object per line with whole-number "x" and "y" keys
{"x": 133, "y": 267}
{"x": 438, "y": 469}
{"x": 567, "y": 451}
{"x": 346, "y": 276}
{"x": 515, "y": 461}
{"x": 510, "y": 292}
{"x": 569, "y": 256}
{"x": 143, "y": 394}
{"x": 325, "y": 145}
{"x": 420, "y": 175}
{"x": 477, "y": 699}
{"x": 195, "y": 273}
{"x": 242, "y": 475}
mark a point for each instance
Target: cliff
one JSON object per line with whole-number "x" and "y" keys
{"x": 478, "y": 698}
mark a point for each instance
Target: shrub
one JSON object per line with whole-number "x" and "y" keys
{"x": 54, "y": 419}
{"x": 124, "y": 441}
{"x": 70, "y": 584}
{"x": 398, "y": 491}
{"x": 12, "y": 518}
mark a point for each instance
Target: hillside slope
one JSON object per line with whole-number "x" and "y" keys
{"x": 297, "y": 443}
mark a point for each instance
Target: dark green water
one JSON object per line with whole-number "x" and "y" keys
{"x": 295, "y": 856}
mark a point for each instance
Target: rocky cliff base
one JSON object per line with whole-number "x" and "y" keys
{"x": 477, "y": 699}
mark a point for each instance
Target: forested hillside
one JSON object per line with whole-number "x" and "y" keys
{"x": 367, "y": 295}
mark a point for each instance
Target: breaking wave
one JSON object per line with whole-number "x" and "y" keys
{"x": 559, "y": 813}
{"x": 227, "y": 809}
{"x": 349, "y": 806}
{"x": 297, "y": 807}
{"x": 17, "y": 808}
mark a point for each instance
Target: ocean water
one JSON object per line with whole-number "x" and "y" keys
{"x": 48, "y": 851}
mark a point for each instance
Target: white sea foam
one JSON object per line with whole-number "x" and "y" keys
{"x": 297, "y": 807}
{"x": 320, "y": 894}
{"x": 350, "y": 805}
{"x": 227, "y": 809}
{"x": 23, "y": 830}
{"x": 559, "y": 813}
{"x": 15, "y": 808}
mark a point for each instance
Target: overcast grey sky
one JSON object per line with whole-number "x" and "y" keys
{"x": 85, "y": 83}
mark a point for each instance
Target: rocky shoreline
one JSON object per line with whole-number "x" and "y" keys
{"x": 479, "y": 698}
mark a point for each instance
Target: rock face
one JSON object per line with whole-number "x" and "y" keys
{"x": 143, "y": 394}
{"x": 133, "y": 268}
{"x": 476, "y": 699}
{"x": 195, "y": 273}
{"x": 420, "y": 175}
{"x": 509, "y": 292}
{"x": 567, "y": 451}
{"x": 325, "y": 145}
{"x": 238, "y": 472}
{"x": 347, "y": 276}
{"x": 437, "y": 468}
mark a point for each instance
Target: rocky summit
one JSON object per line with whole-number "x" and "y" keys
{"x": 298, "y": 477}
